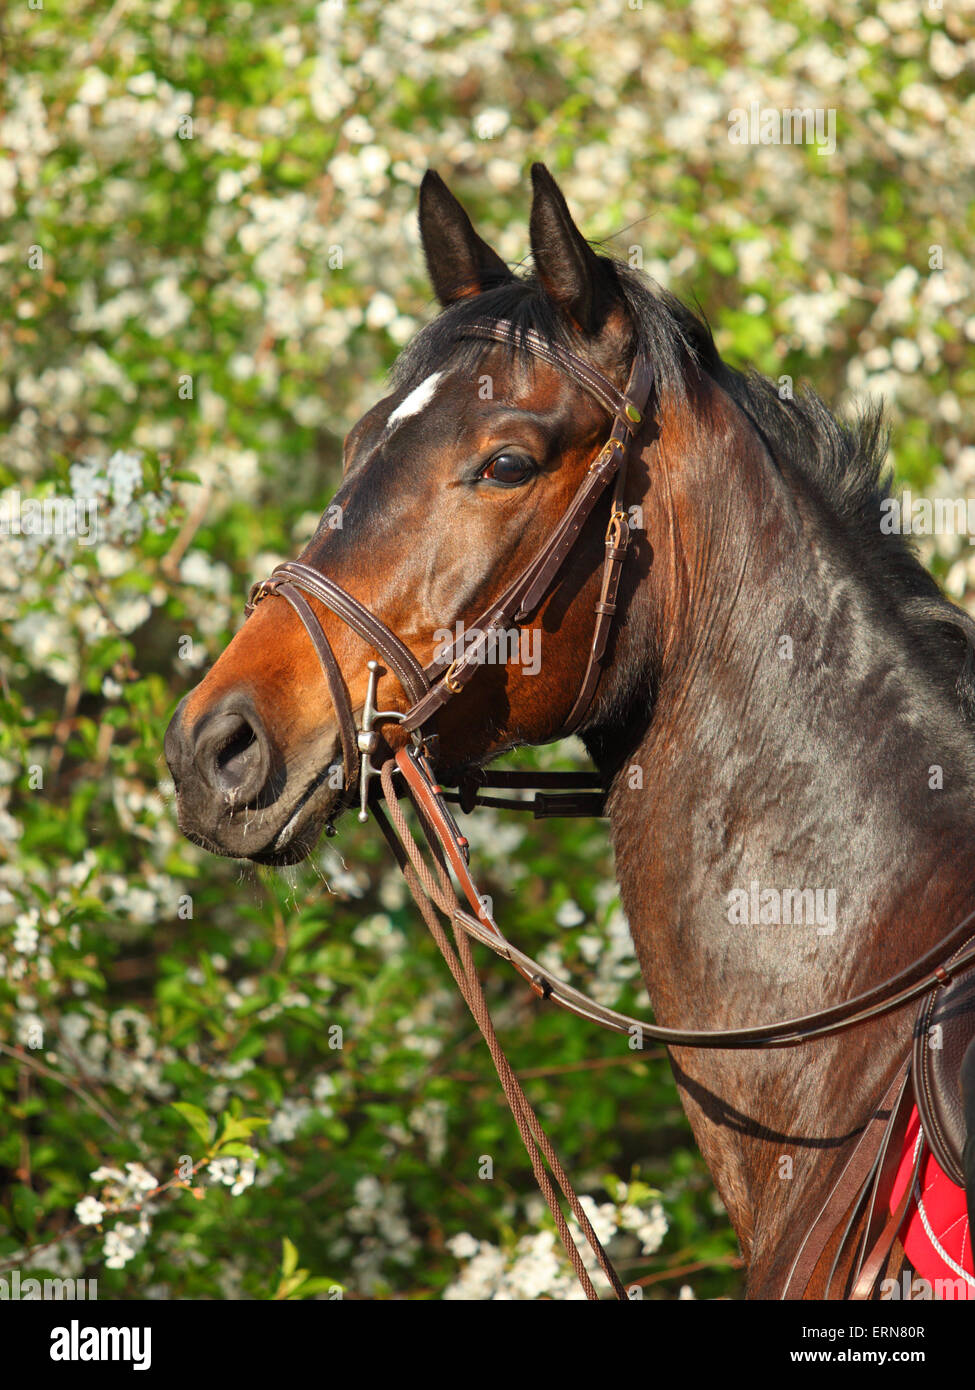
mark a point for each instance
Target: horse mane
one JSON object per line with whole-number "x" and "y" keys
{"x": 843, "y": 462}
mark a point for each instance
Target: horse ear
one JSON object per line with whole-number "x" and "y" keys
{"x": 570, "y": 272}
{"x": 459, "y": 262}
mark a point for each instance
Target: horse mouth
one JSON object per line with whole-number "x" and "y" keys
{"x": 279, "y": 826}
{"x": 296, "y": 839}
{"x": 238, "y": 832}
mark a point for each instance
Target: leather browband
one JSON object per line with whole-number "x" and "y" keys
{"x": 627, "y": 405}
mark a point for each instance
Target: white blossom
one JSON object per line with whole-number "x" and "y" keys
{"x": 89, "y": 1211}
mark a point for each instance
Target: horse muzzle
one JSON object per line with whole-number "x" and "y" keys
{"x": 236, "y": 794}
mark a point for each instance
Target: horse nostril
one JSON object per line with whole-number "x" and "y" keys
{"x": 237, "y": 757}
{"x": 232, "y": 754}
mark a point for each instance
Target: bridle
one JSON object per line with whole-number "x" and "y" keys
{"x": 429, "y": 688}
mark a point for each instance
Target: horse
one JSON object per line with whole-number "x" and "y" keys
{"x": 781, "y": 711}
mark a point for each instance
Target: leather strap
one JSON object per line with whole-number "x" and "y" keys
{"x": 888, "y": 1162}
{"x": 882, "y": 999}
{"x": 788, "y": 1033}
{"x": 617, "y": 540}
{"x": 564, "y": 803}
{"x": 967, "y": 1082}
{"x": 371, "y": 629}
{"x": 854, "y": 1176}
{"x": 876, "y": 1260}
{"x": 626, "y": 405}
{"x": 333, "y": 675}
{"x": 552, "y": 556}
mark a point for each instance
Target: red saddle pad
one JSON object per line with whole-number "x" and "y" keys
{"x": 935, "y": 1233}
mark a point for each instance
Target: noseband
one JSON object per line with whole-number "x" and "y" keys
{"x": 429, "y": 688}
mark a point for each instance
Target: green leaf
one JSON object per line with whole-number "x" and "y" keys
{"x": 320, "y": 1285}
{"x": 240, "y": 1128}
{"x": 198, "y": 1120}
{"x": 289, "y": 1258}
{"x": 288, "y": 1286}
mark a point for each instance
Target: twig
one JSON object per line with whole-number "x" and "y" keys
{"x": 104, "y": 32}
{"x": 19, "y": 1055}
{"x": 91, "y": 1082}
{"x": 594, "y": 1064}
{"x": 63, "y": 728}
{"x": 13, "y": 1261}
{"x": 677, "y": 1271}
{"x": 23, "y": 1095}
{"x": 169, "y": 566}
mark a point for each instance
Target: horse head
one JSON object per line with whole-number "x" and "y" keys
{"x": 451, "y": 485}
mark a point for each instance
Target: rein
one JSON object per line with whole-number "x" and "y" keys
{"x": 429, "y": 688}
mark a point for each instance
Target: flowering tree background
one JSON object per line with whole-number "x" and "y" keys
{"x": 220, "y": 1083}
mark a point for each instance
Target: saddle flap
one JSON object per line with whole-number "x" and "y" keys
{"x": 943, "y": 1031}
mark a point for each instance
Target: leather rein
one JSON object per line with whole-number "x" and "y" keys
{"x": 429, "y": 688}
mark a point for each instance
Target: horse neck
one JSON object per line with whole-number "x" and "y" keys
{"x": 791, "y": 748}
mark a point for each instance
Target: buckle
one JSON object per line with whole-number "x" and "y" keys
{"x": 469, "y": 785}
{"x": 618, "y": 530}
{"x": 606, "y": 452}
{"x": 259, "y": 591}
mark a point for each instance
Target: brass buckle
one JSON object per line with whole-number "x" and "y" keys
{"x": 454, "y": 686}
{"x": 606, "y": 452}
{"x": 617, "y": 532}
{"x": 260, "y": 591}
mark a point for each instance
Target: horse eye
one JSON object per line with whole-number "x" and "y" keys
{"x": 509, "y": 468}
